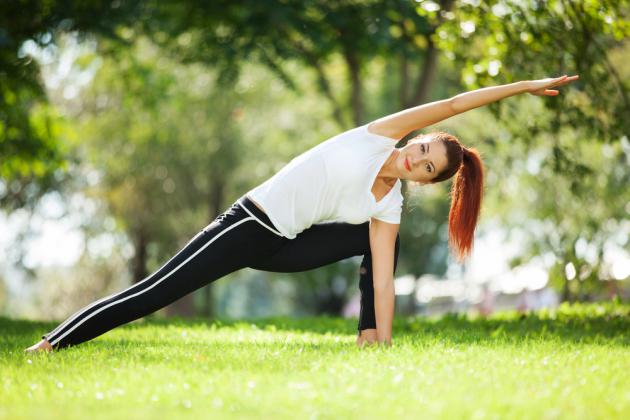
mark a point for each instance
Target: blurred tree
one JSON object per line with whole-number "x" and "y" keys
{"x": 32, "y": 154}
{"x": 424, "y": 232}
{"x": 63, "y": 290}
{"x": 163, "y": 140}
{"x": 566, "y": 153}
{"x": 573, "y": 206}
{"x": 228, "y": 34}
{"x": 501, "y": 41}
{"x": 339, "y": 42}
{"x": 325, "y": 37}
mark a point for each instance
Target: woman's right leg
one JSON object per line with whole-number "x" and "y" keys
{"x": 231, "y": 242}
{"x": 326, "y": 243}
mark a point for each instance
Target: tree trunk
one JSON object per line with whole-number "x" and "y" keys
{"x": 183, "y": 307}
{"x": 403, "y": 91}
{"x": 139, "y": 262}
{"x": 216, "y": 207}
{"x": 426, "y": 77}
{"x": 356, "y": 99}
{"x": 566, "y": 292}
{"x": 429, "y": 67}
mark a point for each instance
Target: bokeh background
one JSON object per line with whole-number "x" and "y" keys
{"x": 127, "y": 126}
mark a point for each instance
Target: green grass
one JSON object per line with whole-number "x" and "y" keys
{"x": 571, "y": 363}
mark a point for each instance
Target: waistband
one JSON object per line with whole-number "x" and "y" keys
{"x": 260, "y": 216}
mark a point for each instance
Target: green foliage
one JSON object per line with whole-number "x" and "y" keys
{"x": 566, "y": 207}
{"x": 501, "y": 41}
{"x": 423, "y": 232}
{"x": 226, "y": 34}
{"x": 323, "y": 37}
{"x": 568, "y": 363}
{"x": 163, "y": 140}
{"x": 33, "y": 157}
{"x": 201, "y": 134}
{"x": 562, "y": 162}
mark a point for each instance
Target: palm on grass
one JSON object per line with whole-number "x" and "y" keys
{"x": 543, "y": 87}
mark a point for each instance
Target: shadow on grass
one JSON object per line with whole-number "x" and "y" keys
{"x": 590, "y": 323}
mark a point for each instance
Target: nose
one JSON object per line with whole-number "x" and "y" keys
{"x": 417, "y": 160}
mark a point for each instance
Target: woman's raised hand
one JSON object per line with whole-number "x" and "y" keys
{"x": 542, "y": 87}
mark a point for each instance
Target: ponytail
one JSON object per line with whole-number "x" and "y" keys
{"x": 466, "y": 195}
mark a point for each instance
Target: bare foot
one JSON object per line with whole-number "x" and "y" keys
{"x": 42, "y": 346}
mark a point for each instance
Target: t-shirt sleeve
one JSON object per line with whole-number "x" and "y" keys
{"x": 391, "y": 213}
{"x": 376, "y": 137}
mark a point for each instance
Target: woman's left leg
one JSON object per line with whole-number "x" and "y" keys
{"x": 326, "y": 243}
{"x": 232, "y": 241}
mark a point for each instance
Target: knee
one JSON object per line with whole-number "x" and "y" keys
{"x": 365, "y": 281}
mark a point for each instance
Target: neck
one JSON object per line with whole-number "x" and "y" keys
{"x": 388, "y": 171}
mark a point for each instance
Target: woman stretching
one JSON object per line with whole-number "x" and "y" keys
{"x": 337, "y": 200}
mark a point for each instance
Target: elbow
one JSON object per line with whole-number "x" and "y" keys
{"x": 454, "y": 105}
{"x": 382, "y": 287}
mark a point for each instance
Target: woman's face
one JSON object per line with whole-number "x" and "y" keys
{"x": 422, "y": 159}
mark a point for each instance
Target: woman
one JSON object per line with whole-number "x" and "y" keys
{"x": 339, "y": 199}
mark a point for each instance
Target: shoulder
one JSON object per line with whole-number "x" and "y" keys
{"x": 367, "y": 131}
{"x": 375, "y": 129}
{"x": 361, "y": 138}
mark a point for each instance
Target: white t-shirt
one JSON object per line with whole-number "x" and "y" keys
{"x": 331, "y": 182}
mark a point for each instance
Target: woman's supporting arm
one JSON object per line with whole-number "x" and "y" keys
{"x": 382, "y": 243}
{"x": 402, "y": 123}
{"x": 366, "y": 337}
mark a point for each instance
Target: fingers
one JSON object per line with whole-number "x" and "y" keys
{"x": 558, "y": 81}
{"x": 570, "y": 79}
{"x": 567, "y": 80}
{"x": 553, "y": 82}
{"x": 546, "y": 92}
{"x": 564, "y": 80}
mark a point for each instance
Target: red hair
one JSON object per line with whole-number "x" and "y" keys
{"x": 466, "y": 196}
{"x": 466, "y": 192}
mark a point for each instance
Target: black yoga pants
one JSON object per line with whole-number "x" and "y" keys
{"x": 242, "y": 236}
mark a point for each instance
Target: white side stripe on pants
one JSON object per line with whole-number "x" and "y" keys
{"x": 67, "y": 321}
{"x": 56, "y": 340}
{"x": 259, "y": 221}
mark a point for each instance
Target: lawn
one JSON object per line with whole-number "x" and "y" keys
{"x": 571, "y": 363}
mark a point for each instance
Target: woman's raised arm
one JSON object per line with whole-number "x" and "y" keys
{"x": 402, "y": 123}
